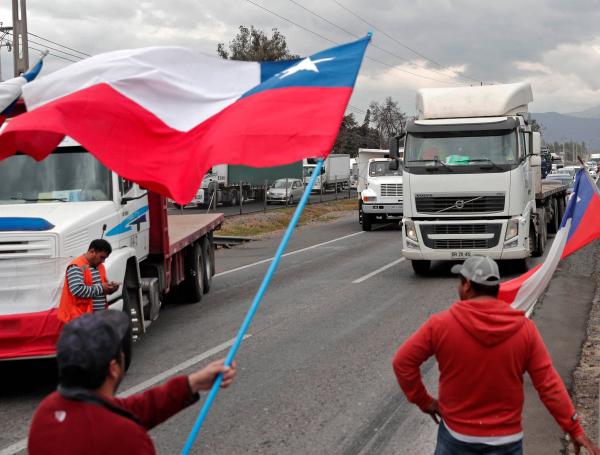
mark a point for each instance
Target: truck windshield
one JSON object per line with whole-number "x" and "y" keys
{"x": 67, "y": 175}
{"x": 381, "y": 168}
{"x": 459, "y": 149}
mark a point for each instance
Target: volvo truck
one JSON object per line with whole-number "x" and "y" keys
{"x": 51, "y": 210}
{"x": 472, "y": 180}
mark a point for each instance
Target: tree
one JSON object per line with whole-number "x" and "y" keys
{"x": 387, "y": 118}
{"x": 535, "y": 126}
{"x": 251, "y": 44}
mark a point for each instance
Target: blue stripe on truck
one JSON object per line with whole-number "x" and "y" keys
{"x": 24, "y": 224}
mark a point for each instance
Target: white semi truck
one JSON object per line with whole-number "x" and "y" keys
{"x": 472, "y": 181}
{"x": 335, "y": 172}
{"x": 379, "y": 188}
{"x": 51, "y": 210}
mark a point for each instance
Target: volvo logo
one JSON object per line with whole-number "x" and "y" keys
{"x": 459, "y": 204}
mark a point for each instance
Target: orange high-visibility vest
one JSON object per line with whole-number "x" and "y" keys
{"x": 72, "y": 306}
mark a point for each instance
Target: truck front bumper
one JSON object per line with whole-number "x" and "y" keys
{"x": 382, "y": 209}
{"x": 31, "y": 335}
{"x": 458, "y": 240}
{"x": 199, "y": 198}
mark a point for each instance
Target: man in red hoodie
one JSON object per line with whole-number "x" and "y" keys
{"x": 84, "y": 417}
{"x": 483, "y": 348}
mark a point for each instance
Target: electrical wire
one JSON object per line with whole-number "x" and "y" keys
{"x": 414, "y": 51}
{"x": 58, "y": 44}
{"x": 336, "y": 43}
{"x": 455, "y": 76}
{"x": 54, "y": 49}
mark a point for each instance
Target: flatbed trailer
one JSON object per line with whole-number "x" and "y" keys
{"x": 551, "y": 202}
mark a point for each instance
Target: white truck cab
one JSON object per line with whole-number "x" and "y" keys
{"x": 472, "y": 181}
{"x": 379, "y": 188}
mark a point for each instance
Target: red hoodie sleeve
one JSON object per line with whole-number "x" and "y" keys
{"x": 157, "y": 404}
{"x": 407, "y": 363}
{"x": 549, "y": 385}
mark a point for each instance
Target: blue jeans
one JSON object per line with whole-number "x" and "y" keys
{"x": 448, "y": 445}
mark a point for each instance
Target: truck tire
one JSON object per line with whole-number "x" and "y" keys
{"x": 421, "y": 267}
{"x": 367, "y": 221}
{"x": 561, "y": 204}
{"x": 134, "y": 330}
{"x": 208, "y": 264}
{"x": 193, "y": 285}
{"x": 234, "y": 201}
{"x": 536, "y": 241}
{"x": 554, "y": 223}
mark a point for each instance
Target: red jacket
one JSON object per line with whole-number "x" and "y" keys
{"x": 483, "y": 348}
{"x": 64, "y": 426}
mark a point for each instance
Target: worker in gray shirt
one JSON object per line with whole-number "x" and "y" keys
{"x": 86, "y": 286}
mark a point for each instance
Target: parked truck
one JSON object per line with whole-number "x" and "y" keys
{"x": 335, "y": 172}
{"x": 228, "y": 184}
{"x": 472, "y": 180}
{"x": 379, "y": 188}
{"x": 51, "y": 210}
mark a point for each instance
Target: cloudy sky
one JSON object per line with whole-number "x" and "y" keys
{"x": 554, "y": 44}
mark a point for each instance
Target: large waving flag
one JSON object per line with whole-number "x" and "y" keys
{"x": 163, "y": 116}
{"x": 580, "y": 226}
{"x": 10, "y": 90}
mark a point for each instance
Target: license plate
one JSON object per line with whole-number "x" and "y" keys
{"x": 460, "y": 254}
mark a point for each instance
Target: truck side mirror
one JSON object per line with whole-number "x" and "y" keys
{"x": 394, "y": 147}
{"x": 535, "y": 161}
{"x": 535, "y": 143}
{"x": 394, "y": 165}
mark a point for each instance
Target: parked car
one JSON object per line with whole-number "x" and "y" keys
{"x": 563, "y": 178}
{"x": 283, "y": 190}
{"x": 570, "y": 170}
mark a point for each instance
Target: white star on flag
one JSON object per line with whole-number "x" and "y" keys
{"x": 304, "y": 65}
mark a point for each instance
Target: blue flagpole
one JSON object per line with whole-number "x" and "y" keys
{"x": 252, "y": 311}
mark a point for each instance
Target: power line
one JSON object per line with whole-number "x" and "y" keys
{"x": 54, "y": 55}
{"x": 395, "y": 39}
{"x": 336, "y": 43}
{"x": 373, "y": 44}
{"x": 58, "y": 44}
{"x": 54, "y": 49}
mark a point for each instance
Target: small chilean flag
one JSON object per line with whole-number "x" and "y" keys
{"x": 163, "y": 116}
{"x": 580, "y": 226}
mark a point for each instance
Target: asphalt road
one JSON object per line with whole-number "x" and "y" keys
{"x": 314, "y": 375}
{"x": 252, "y": 206}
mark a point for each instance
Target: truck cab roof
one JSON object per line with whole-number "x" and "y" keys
{"x": 478, "y": 101}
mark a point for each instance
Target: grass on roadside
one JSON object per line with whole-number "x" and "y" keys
{"x": 276, "y": 220}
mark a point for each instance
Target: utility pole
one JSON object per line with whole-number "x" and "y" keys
{"x": 20, "y": 43}
{"x": 7, "y": 44}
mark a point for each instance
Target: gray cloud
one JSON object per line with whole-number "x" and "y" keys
{"x": 552, "y": 43}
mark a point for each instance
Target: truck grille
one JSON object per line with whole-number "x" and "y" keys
{"x": 461, "y": 244}
{"x": 391, "y": 189}
{"x": 23, "y": 247}
{"x": 427, "y": 230}
{"x": 466, "y": 203}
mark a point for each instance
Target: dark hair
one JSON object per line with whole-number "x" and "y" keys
{"x": 483, "y": 289}
{"x": 75, "y": 376}
{"x": 100, "y": 245}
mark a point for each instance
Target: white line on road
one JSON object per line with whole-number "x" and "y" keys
{"x": 263, "y": 261}
{"x": 379, "y": 270}
{"x": 22, "y": 444}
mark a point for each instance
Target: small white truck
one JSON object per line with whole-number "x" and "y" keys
{"x": 51, "y": 210}
{"x": 379, "y": 188}
{"x": 335, "y": 173}
{"x": 472, "y": 179}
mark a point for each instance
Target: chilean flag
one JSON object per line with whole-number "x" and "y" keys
{"x": 579, "y": 227}
{"x": 163, "y": 116}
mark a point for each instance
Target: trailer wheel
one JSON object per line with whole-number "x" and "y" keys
{"x": 554, "y": 223}
{"x": 421, "y": 267}
{"x": 234, "y": 199}
{"x": 193, "y": 285}
{"x": 208, "y": 264}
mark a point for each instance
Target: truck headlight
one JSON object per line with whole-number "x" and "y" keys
{"x": 512, "y": 229}
{"x": 410, "y": 230}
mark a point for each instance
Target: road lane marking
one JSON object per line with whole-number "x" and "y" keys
{"x": 22, "y": 444}
{"x": 379, "y": 270}
{"x": 178, "y": 368}
{"x": 302, "y": 250}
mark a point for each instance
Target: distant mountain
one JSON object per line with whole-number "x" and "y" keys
{"x": 593, "y": 112}
{"x": 563, "y": 128}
